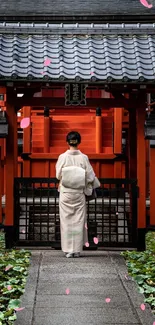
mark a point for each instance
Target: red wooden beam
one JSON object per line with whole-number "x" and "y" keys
{"x": 52, "y": 156}
{"x": 104, "y": 103}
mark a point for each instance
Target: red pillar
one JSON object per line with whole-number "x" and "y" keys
{"x": 11, "y": 172}
{"x": 98, "y": 134}
{"x": 46, "y": 134}
{"x": 152, "y": 187}
{"x": 47, "y": 143}
{"x": 141, "y": 177}
{"x": 0, "y": 188}
{"x": 132, "y": 136}
{"x": 118, "y": 114}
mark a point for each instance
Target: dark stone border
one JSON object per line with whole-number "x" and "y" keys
{"x": 130, "y": 286}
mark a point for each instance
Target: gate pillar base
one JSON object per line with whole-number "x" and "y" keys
{"x": 141, "y": 244}
{"x": 9, "y": 236}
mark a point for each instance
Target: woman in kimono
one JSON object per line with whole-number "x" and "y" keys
{"x": 74, "y": 171}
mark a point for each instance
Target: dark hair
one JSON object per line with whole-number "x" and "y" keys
{"x": 73, "y": 138}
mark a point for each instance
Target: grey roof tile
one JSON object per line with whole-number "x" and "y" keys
{"x": 101, "y": 56}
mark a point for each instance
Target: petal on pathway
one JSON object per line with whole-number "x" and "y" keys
{"x": 142, "y": 306}
{"x": 19, "y": 308}
{"x": 107, "y": 300}
{"x": 67, "y": 291}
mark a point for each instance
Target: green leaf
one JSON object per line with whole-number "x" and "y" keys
{"x": 139, "y": 279}
{"x": 8, "y": 313}
{"x": 1, "y": 316}
{"x": 13, "y": 317}
{"x": 141, "y": 290}
{"x": 14, "y": 303}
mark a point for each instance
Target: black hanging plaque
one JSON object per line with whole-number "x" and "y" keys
{"x": 75, "y": 94}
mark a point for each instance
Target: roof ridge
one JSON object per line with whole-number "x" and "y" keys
{"x": 76, "y": 28}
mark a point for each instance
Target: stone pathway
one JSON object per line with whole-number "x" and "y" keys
{"x": 91, "y": 279}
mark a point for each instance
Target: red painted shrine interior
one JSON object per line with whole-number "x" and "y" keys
{"x": 45, "y": 139}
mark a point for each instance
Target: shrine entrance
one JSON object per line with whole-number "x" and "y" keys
{"x": 112, "y": 129}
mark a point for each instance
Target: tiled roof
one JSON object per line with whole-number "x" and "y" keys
{"x": 74, "y": 7}
{"x": 78, "y": 57}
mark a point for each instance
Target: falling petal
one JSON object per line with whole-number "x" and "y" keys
{"x": 25, "y": 122}
{"x": 19, "y": 308}
{"x": 42, "y": 72}
{"x": 95, "y": 239}
{"x": 145, "y": 4}
{"x": 8, "y": 267}
{"x": 108, "y": 300}
{"x": 67, "y": 291}
{"x": 9, "y": 287}
{"x": 23, "y": 231}
{"x": 142, "y": 307}
{"x": 116, "y": 213}
{"x": 87, "y": 244}
{"x": 91, "y": 72}
{"x": 86, "y": 225}
{"x": 47, "y": 62}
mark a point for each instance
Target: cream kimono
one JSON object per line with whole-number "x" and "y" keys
{"x": 72, "y": 203}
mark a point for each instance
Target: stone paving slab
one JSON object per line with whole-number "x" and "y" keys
{"x": 91, "y": 279}
{"x": 97, "y": 301}
{"x": 49, "y": 321}
{"x": 79, "y": 288}
{"x": 86, "y": 314}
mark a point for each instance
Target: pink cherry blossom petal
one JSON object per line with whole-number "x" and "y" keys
{"x": 91, "y": 72}
{"x": 95, "y": 239}
{"x": 23, "y": 231}
{"x": 145, "y": 4}
{"x": 86, "y": 225}
{"x": 87, "y": 244}
{"x": 153, "y": 323}
{"x": 25, "y": 122}
{"x": 9, "y": 287}
{"x": 42, "y": 72}
{"x": 67, "y": 291}
{"x": 19, "y": 308}
{"x": 142, "y": 306}
{"x": 47, "y": 62}
{"x": 107, "y": 300}
{"x": 8, "y": 267}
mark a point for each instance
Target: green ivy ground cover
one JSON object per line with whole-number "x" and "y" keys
{"x": 13, "y": 272}
{"x": 141, "y": 266}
